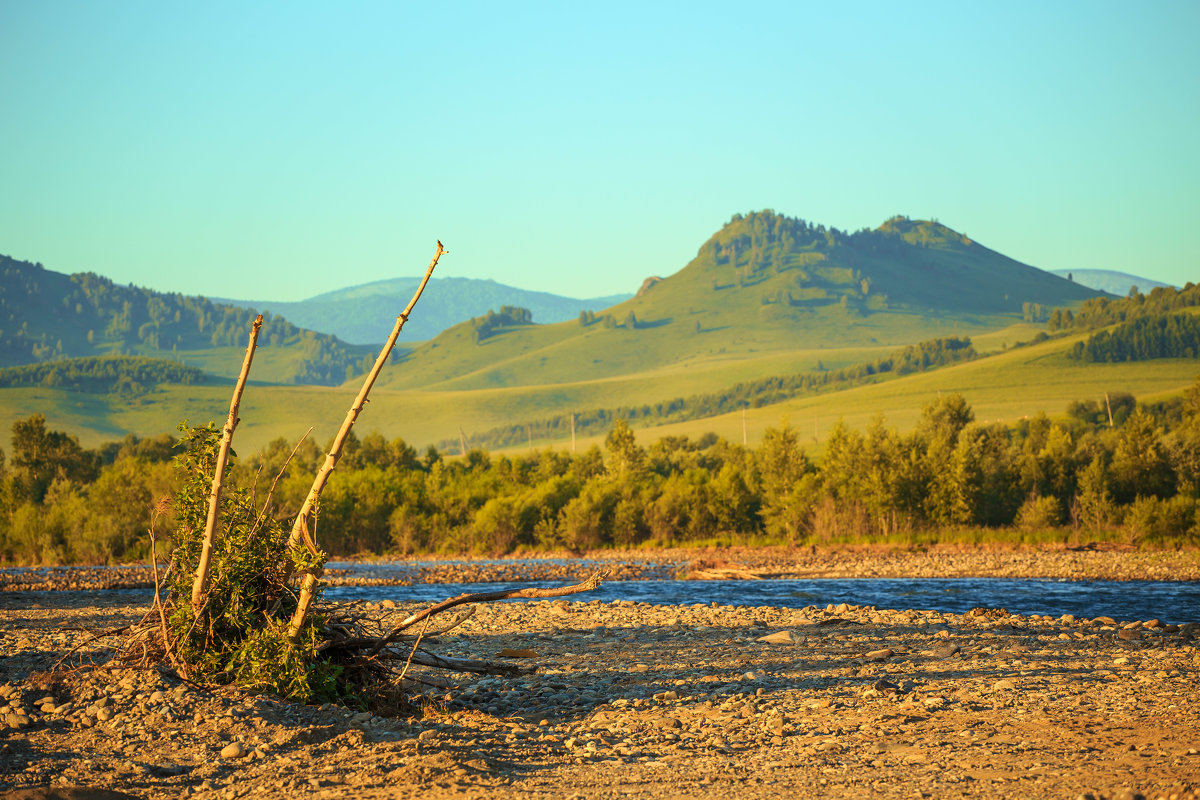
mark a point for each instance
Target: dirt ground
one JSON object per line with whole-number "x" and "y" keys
{"x": 634, "y": 700}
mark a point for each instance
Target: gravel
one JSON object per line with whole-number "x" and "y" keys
{"x": 635, "y": 699}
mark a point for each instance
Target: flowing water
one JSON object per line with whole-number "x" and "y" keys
{"x": 1168, "y": 601}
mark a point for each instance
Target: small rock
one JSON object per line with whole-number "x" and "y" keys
{"x": 779, "y": 637}
{"x": 1129, "y": 634}
{"x": 234, "y": 750}
{"x": 880, "y": 655}
{"x": 1002, "y": 685}
{"x": 945, "y": 650}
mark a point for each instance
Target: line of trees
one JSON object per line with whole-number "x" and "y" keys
{"x": 1143, "y": 338}
{"x": 1100, "y": 312}
{"x": 121, "y": 375}
{"x": 1078, "y": 475}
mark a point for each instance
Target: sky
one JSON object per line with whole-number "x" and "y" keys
{"x": 275, "y": 151}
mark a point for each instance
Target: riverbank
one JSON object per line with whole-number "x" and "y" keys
{"x": 640, "y": 700}
{"x": 766, "y": 562}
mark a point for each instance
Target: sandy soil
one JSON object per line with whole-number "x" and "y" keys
{"x": 640, "y": 700}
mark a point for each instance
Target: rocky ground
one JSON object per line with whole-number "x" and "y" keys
{"x": 639, "y": 700}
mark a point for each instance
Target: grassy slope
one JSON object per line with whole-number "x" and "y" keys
{"x": 1003, "y": 386}
{"x": 732, "y": 289}
{"x": 762, "y": 285}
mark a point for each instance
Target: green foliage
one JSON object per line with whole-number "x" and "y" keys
{"x": 878, "y": 484}
{"x": 1143, "y": 338}
{"x": 124, "y": 376}
{"x": 40, "y": 457}
{"x": 492, "y": 322}
{"x": 239, "y": 633}
{"x": 47, "y": 316}
{"x": 1101, "y": 312}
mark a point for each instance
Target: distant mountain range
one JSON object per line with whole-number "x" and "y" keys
{"x": 1107, "y": 280}
{"x": 365, "y": 314}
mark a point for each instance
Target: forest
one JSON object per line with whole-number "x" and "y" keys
{"x": 1143, "y": 338}
{"x": 48, "y": 316}
{"x": 1112, "y": 470}
{"x": 120, "y": 375}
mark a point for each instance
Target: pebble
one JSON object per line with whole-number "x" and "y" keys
{"x": 234, "y": 750}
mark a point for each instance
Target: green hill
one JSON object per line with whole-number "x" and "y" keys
{"x": 767, "y": 299}
{"x": 763, "y": 284}
{"x": 47, "y": 316}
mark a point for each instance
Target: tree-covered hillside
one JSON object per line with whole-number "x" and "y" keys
{"x": 47, "y": 315}
{"x": 765, "y": 283}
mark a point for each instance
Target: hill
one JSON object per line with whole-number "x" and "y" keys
{"x": 766, "y": 298}
{"x": 1108, "y": 280}
{"x": 47, "y": 316}
{"x": 364, "y": 314}
{"x": 763, "y": 284}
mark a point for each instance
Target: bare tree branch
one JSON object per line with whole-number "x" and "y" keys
{"x": 214, "y": 497}
{"x": 301, "y": 525}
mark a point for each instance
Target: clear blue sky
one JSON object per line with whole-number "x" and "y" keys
{"x": 276, "y": 151}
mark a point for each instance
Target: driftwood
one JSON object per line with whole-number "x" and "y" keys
{"x": 707, "y": 570}
{"x": 485, "y": 597}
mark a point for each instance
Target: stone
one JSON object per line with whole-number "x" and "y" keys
{"x": 879, "y": 655}
{"x": 67, "y": 793}
{"x": 234, "y": 750}
{"x": 1129, "y": 634}
{"x": 779, "y": 637}
{"x": 945, "y": 650}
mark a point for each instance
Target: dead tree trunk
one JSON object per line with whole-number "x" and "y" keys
{"x": 214, "y": 497}
{"x": 301, "y": 530}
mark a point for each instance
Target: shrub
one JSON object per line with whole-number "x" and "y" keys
{"x": 1039, "y": 513}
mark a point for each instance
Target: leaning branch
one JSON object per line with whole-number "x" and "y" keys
{"x": 588, "y": 585}
{"x": 200, "y": 584}
{"x": 302, "y": 526}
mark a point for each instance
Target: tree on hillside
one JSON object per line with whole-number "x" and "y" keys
{"x": 40, "y": 456}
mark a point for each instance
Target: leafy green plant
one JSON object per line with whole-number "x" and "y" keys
{"x": 238, "y": 634}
